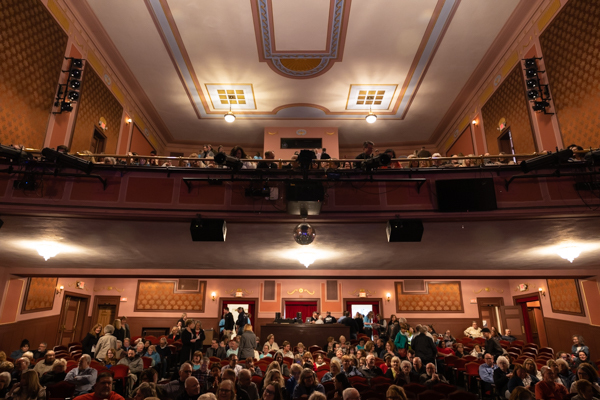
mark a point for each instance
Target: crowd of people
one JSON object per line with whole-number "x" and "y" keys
{"x": 382, "y": 356}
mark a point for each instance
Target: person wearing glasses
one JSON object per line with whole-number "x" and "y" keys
{"x": 272, "y": 392}
{"x": 486, "y": 372}
{"x": 175, "y": 388}
{"x": 226, "y": 390}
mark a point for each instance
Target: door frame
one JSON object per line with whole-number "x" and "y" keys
{"x": 104, "y": 300}
{"x": 84, "y": 326}
{"x": 239, "y": 300}
{"x": 481, "y": 301}
{"x": 312, "y": 300}
{"x": 526, "y": 317}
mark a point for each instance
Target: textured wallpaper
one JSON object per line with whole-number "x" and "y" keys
{"x": 96, "y": 101}
{"x": 510, "y": 102}
{"x": 32, "y": 47}
{"x": 564, "y": 296}
{"x": 40, "y": 294}
{"x": 441, "y": 297}
{"x": 161, "y": 296}
{"x": 571, "y": 51}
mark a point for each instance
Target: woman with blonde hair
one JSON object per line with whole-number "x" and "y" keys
{"x": 531, "y": 368}
{"x": 88, "y": 344}
{"x": 111, "y": 358}
{"x": 28, "y": 388}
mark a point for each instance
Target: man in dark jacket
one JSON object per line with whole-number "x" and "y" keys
{"x": 216, "y": 351}
{"x": 491, "y": 346}
{"x": 241, "y": 320}
{"x": 229, "y": 323}
{"x": 424, "y": 347}
{"x": 351, "y": 323}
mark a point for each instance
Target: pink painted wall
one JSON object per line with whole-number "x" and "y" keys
{"x": 273, "y": 136}
{"x": 139, "y": 143}
{"x": 464, "y": 144}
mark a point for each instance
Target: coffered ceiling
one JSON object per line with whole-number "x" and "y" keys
{"x": 292, "y": 63}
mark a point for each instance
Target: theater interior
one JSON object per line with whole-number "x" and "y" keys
{"x": 448, "y": 76}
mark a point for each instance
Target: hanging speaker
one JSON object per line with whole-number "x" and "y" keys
{"x": 404, "y": 230}
{"x": 208, "y": 230}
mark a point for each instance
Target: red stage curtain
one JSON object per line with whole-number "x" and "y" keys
{"x": 305, "y": 307}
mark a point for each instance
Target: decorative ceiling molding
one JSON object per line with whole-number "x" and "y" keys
{"x": 300, "y": 64}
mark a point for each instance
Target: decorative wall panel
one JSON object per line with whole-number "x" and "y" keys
{"x": 440, "y": 297}
{"x": 509, "y": 102}
{"x": 96, "y": 101}
{"x": 32, "y": 50}
{"x": 565, "y": 296}
{"x": 572, "y": 59}
{"x": 162, "y": 296}
{"x": 40, "y": 294}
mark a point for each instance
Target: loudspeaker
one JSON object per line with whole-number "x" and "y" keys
{"x": 304, "y": 197}
{"x": 277, "y": 315}
{"x": 461, "y": 195}
{"x": 208, "y": 230}
{"x": 404, "y": 230}
{"x": 299, "y": 315}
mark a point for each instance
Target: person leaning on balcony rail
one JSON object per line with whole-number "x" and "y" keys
{"x": 239, "y": 152}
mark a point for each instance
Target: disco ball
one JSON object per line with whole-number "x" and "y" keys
{"x": 304, "y": 233}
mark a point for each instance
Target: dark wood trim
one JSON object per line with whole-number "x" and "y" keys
{"x": 24, "y": 302}
{"x": 137, "y": 292}
{"x": 482, "y": 301}
{"x": 85, "y": 297}
{"x": 400, "y": 290}
{"x": 579, "y": 298}
{"x": 523, "y": 296}
{"x": 116, "y": 300}
{"x": 310, "y": 299}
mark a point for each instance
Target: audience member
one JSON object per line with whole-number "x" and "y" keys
{"x": 587, "y": 372}
{"x": 108, "y": 341}
{"x": 486, "y": 372}
{"x": 4, "y": 384}
{"x": 102, "y": 389}
{"x": 28, "y": 388}
{"x": 502, "y": 375}
{"x": 395, "y": 392}
{"x": 56, "y": 375}
{"x": 508, "y": 336}
{"x": 366, "y": 152}
{"x": 233, "y": 365}
{"x": 430, "y": 378}
{"x": 548, "y": 389}
{"x": 522, "y": 378}
{"x": 424, "y": 347}
{"x": 307, "y": 385}
{"x": 22, "y": 349}
{"x": 133, "y": 361}
{"x": 245, "y": 383}
{"x": 473, "y": 331}
{"x": 45, "y": 366}
{"x": 491, "y": 346}
{"x": 40, "y": 352}
{"x": 83, "y": 376}
{"x": 175, "y": 388}
{"x": 578, "y": 345}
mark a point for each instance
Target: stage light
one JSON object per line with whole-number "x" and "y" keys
{"x": 229, "y": 161}
{"x": 77, "y": 63}
{"x": 540, "y": 106}
{"x": 74, "y": 84}
{"x": 531, "y": 73}
{"x": 533, "y": 94}
{"x": 546, "y": 161}
{"x": 73, "y": 96}
{"x": 376, "y": 162}
{"x": 530, "y": 63}
{"x": 76, "y": 73}
{"x": 66, "y": 107}
{"x": 68, "y": 160}
{"x": 532, "y": 83}
{"x": 13, "y": 154}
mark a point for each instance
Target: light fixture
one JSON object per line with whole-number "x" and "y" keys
{"x": 74, "y": 84}
{"x": 546, "y": 160}
{"x": 214, "y": 296}
{"x": 532, "y": 83}
{"x": 59, "y": 290}
{"x": 13, "y": 154}
{"x": 67, "y": 160}
{"x": 306, "y": 258}
{"x": 73, "y": 96}
{"x": 304, "y": 233}
{"x": 47, "y": 250}
{"x": 388, "y": 297}
{"x": 376, "y": 162}
{"x": 542, "y": 292}
{"x": 230, "y": 116}
{"x": 474, "y": 122}
{"x": 568, "y": 252}
{"x": 533, "y": 94}
{"x": 128, "y": 120}
{"x": 371, "y": 118}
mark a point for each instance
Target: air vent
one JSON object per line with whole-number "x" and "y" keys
{"x": 414, "y": 286}
{"x": 370, "y": 97}
{"x": 188, "y": 285}
{"x": 332, "y": 290}
{"x": 269, "y": 293}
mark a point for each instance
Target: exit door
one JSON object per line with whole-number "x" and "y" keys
{"x": 72, "y": 317}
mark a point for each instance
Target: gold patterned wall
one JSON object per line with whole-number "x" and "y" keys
{"x": 32, "y": 50}
{"x": 162, "y": 296}
{"x": 564, "y": 296}
{"x": 440, "y": 297}
{"x": 509, "y": 102}
{"x": 40, "y": 294}
{"x": 571, "y": 52}
{"x": 96, "y": 101}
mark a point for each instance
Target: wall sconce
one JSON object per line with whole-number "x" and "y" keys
{"x": 128, "y": 121}
{"x": 214, "y": 296}
{"x": 388, "y": 297}
{"x": 59, "y": 290}
{"x": 542, "y": 292}
{"x": 474, "y": 122}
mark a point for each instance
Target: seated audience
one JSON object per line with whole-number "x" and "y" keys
{"x": 587, "y": 372}
{"x": 334, "y": 369}
{"x": 508, "y": 336}
{"x": 245, "y": 383}
{"x": 41, "y": 351}
{"x": 521, "y": 393}
{"x": 548, "y": 389}
{"x": 502, "y": 375}
{"x": 56, "y": 375}
{"x": 145, "y": 390}
{"x": 395, "y": 392}
{"x": 370, "y": 370}
{"x": 348, "y": 368}
{"x": 21, "y": 365}
{"x": 4, "y": 384}
{"x": 585, "y": 391}
{"x": 102, "y": 389}
{"x": 522, "y": 378}
{"x": 233, "y": 365}
{"x": 473, "y": 331}
{"x": 273, "y": 391}
{"x": 238, "y": 152}
{"x": 477, "y": 351}
{"x": 531, "y": 368}
{"x": 394, "y": 369}
{"x": 271, "y": 343}
{"x": 283, "y": 368}
{"x": 565, "y": 374}
{"x": 111, "y": 358}
{"x": 45, "y": 366}
{"x": 269, "y": 155}
{"x": 216, "y": 351}
{"x": 582, "y": 357}
{"x": 22, "y": 349}
{"x": 28, "y": 388}
{"x": 341, "y": 383}
{"x": 83, "y": 376}
{"x": 133, "y": 361}
{"x": 307, "y": 385}
{"x": 430, "y": 378}
{"x": 175, "y": 388}
{"x": 295, "y": 371}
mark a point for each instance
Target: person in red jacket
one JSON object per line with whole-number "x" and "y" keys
{"x": 102, "y": 389}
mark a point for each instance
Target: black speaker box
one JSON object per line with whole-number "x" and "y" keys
{"x": 404, "y": 230}
{"x": 461, "y": 195}
{"x": 304, "y": 197}
{"x": 208, "y": 230}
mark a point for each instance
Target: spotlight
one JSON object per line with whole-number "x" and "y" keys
{"x": 77, "y": 63}
{"x": 539, "y": 106}
{"x": 376, "y": 162}
{"x": 66, "y": 107}
{"x": 13, "y": 154}
{"x": 532, "y": 83}
{"x": 75, "y": 84}
{"x": 304, "y": 233}
{"x": 547, "y": 160}
{"x": 531, "y": 73}
{"x": 533, "y": 94}
{"x": 305, "y": 158}
{"x": 73, "y": 96}
{"x": 68, "y": 160}
{"x": 76, "y": 73}
{"x": 229, "y": 161}
{"x": 531, "y": 63}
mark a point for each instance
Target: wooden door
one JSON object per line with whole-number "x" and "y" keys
{"x": 489, "y": 312}
{"x": 72, "y": 319}
{"x": 106, "y": 309}
{"x": 512, "y": 318}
